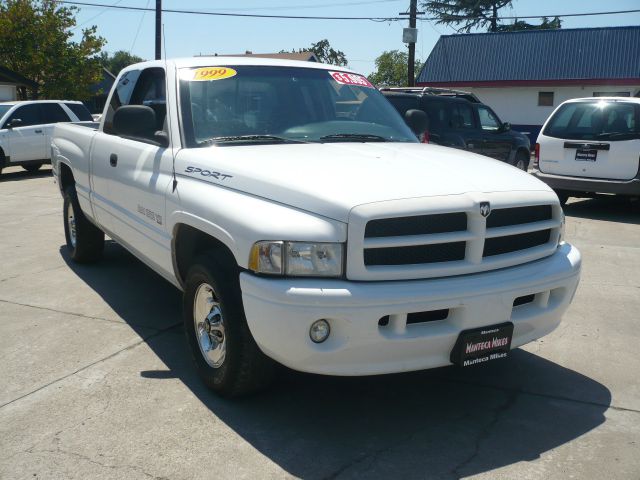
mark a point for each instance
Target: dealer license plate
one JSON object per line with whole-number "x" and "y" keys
{"x": 586, "y": 155}
{"x": 481, "y": 345}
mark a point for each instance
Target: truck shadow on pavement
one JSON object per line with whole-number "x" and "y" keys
{"x": 16, "y": 175}
{"x": 609, "y": 208}
{"x": 444, "y": 423}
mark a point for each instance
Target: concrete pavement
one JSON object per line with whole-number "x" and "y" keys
{"x": 97, "y": 381}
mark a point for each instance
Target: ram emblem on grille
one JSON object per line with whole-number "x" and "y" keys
{"x": 485, "y": 209}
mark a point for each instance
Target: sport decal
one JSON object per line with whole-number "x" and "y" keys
{"x": 351, "y": 79}
{"x": 206, "y": 74}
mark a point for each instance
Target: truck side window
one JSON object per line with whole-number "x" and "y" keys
{"x": 121, "y": 96}
{"x": 488, "y": 120}
{"x": 148, "y": 89}
{"x": 461, "y": 117}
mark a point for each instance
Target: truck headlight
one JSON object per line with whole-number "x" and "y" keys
{"x": 297, "y": 259}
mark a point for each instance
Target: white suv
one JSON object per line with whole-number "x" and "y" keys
{"x": 25, "y": 129}
{"x": 591, "y": 145}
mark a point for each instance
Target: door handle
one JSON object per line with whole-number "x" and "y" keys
{"x": 113, "y": 160}
{"x": 38, "y": 131}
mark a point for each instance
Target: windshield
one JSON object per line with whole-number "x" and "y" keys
{"x": 599, "y": 120}
{"x": 258, "y": 104}
{"x": 4, "y": 109}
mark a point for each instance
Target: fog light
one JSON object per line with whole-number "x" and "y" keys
{"x": 319, "y": 331}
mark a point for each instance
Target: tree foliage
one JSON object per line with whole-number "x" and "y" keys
{"x": 467, "y": 15}
{"x": 35, "y": 41}
{"x": 324, "y": 52}
{"x": 392, "y": 69}
{"x": 119, "y": 60}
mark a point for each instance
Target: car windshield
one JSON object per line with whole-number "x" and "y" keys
{"x": 237, "y": 105}
{"x": 4, "y": 109}
{"x": 598, "y": 120}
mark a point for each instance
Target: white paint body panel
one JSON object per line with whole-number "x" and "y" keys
{"x": 315, "y": 192}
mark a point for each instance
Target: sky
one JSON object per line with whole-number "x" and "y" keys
{"x": 361, "y": 41}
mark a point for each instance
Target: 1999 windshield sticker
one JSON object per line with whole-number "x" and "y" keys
{"x": 208, "y": 173}
{"x": 351, "y": 79}
{"x": 207, "y": 74}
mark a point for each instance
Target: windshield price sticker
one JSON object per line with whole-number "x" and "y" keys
{"x": 351, "y": 79}
{"x": 213, "y": 73}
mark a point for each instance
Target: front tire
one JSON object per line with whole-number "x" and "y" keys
{"x": 563, "y": 196}
{"x": 85, "y": 241}
{"x": 225, "y": 354}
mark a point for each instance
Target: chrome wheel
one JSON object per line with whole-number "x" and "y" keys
{"x": 71, "y": 223}
{"x": 209, "y": 325}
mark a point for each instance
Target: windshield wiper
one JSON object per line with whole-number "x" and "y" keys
{"x": 363, "y": 137}
{"x": 250, "y": 139}
{"x": 612, "y": 135}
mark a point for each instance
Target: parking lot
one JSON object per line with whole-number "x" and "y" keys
{"x": 97, "y": 381}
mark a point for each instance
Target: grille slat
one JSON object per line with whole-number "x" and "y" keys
{"x": 417, "y": 225}
{"x": 439, "y": 252}
{"x": 514, "y": 243}
{"x": 503, "y": 217}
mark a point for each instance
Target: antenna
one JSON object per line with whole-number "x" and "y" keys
{"x": 166, "y": 97}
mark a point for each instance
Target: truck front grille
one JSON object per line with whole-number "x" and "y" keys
{"x": 424, "y": 245}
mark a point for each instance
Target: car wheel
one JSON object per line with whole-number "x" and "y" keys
{"x": 85, "y": 241}
{"x": 521, "y": 161}
{"x": 563, "y": 196}
{"x": 32, "y": 167}
{"x": 225, "y": 354}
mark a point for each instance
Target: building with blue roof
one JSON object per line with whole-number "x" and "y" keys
{"x": 524, "y": 75}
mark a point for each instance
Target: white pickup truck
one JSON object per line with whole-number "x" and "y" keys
{"x": 306, "y": 225}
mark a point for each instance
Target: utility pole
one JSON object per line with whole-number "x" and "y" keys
{"x": 410, "y": 36}
{"x": 158, "y": 29}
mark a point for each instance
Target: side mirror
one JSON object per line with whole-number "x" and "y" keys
{"x": 417, "y": 120}
{"x": 505, "y": 127}
{"x": 16, "y": 122}
{"x": 138, "y": 122}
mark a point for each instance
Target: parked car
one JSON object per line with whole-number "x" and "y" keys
{"x": 294, "y": 208}
{"x": 591, "y": 145}
{"x": 458, "y": 119}
{"x": 25, "y": 129}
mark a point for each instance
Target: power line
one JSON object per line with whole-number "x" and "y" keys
{"x": 304, "y": 17}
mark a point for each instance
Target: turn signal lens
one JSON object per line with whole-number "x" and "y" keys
{"x": 266, "y": 257}
{"x": 536, "y": 159}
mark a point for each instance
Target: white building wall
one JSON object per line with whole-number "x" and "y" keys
{"x": 8, "y": 93}
{"x": 519, "y": 105}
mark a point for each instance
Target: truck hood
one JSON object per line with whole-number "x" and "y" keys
{"x": 330, "y": 179}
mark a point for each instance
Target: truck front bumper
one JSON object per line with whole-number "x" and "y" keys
{"x": 280, "y": 311}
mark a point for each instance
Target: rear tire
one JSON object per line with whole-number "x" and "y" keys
{"x": 85, "y": 241}
{"x": 521, "y": 161}
{"x": 225, "y": 354}
{"x": 32, "y": 167}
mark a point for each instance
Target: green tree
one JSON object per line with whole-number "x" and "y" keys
{"x": 392, "y": 69}
{"x": 35, "y": 41}
{"x": 324, "y": 52}
{"x": 119, "y": 60}
{"x": 546, "y": 24}
{"x": 475, "y": 14}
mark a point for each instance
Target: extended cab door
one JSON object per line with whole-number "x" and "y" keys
{"x": 463, "y": 131}
{"x": 27, "y": 140}
{"x": 496, "y": 143}
{"x": 138, "y": 174}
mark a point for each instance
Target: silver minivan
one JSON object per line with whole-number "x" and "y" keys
{"x": 591, "y": 145}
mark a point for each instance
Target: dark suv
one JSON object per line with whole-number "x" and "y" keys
{"x": 458, "y": 119}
